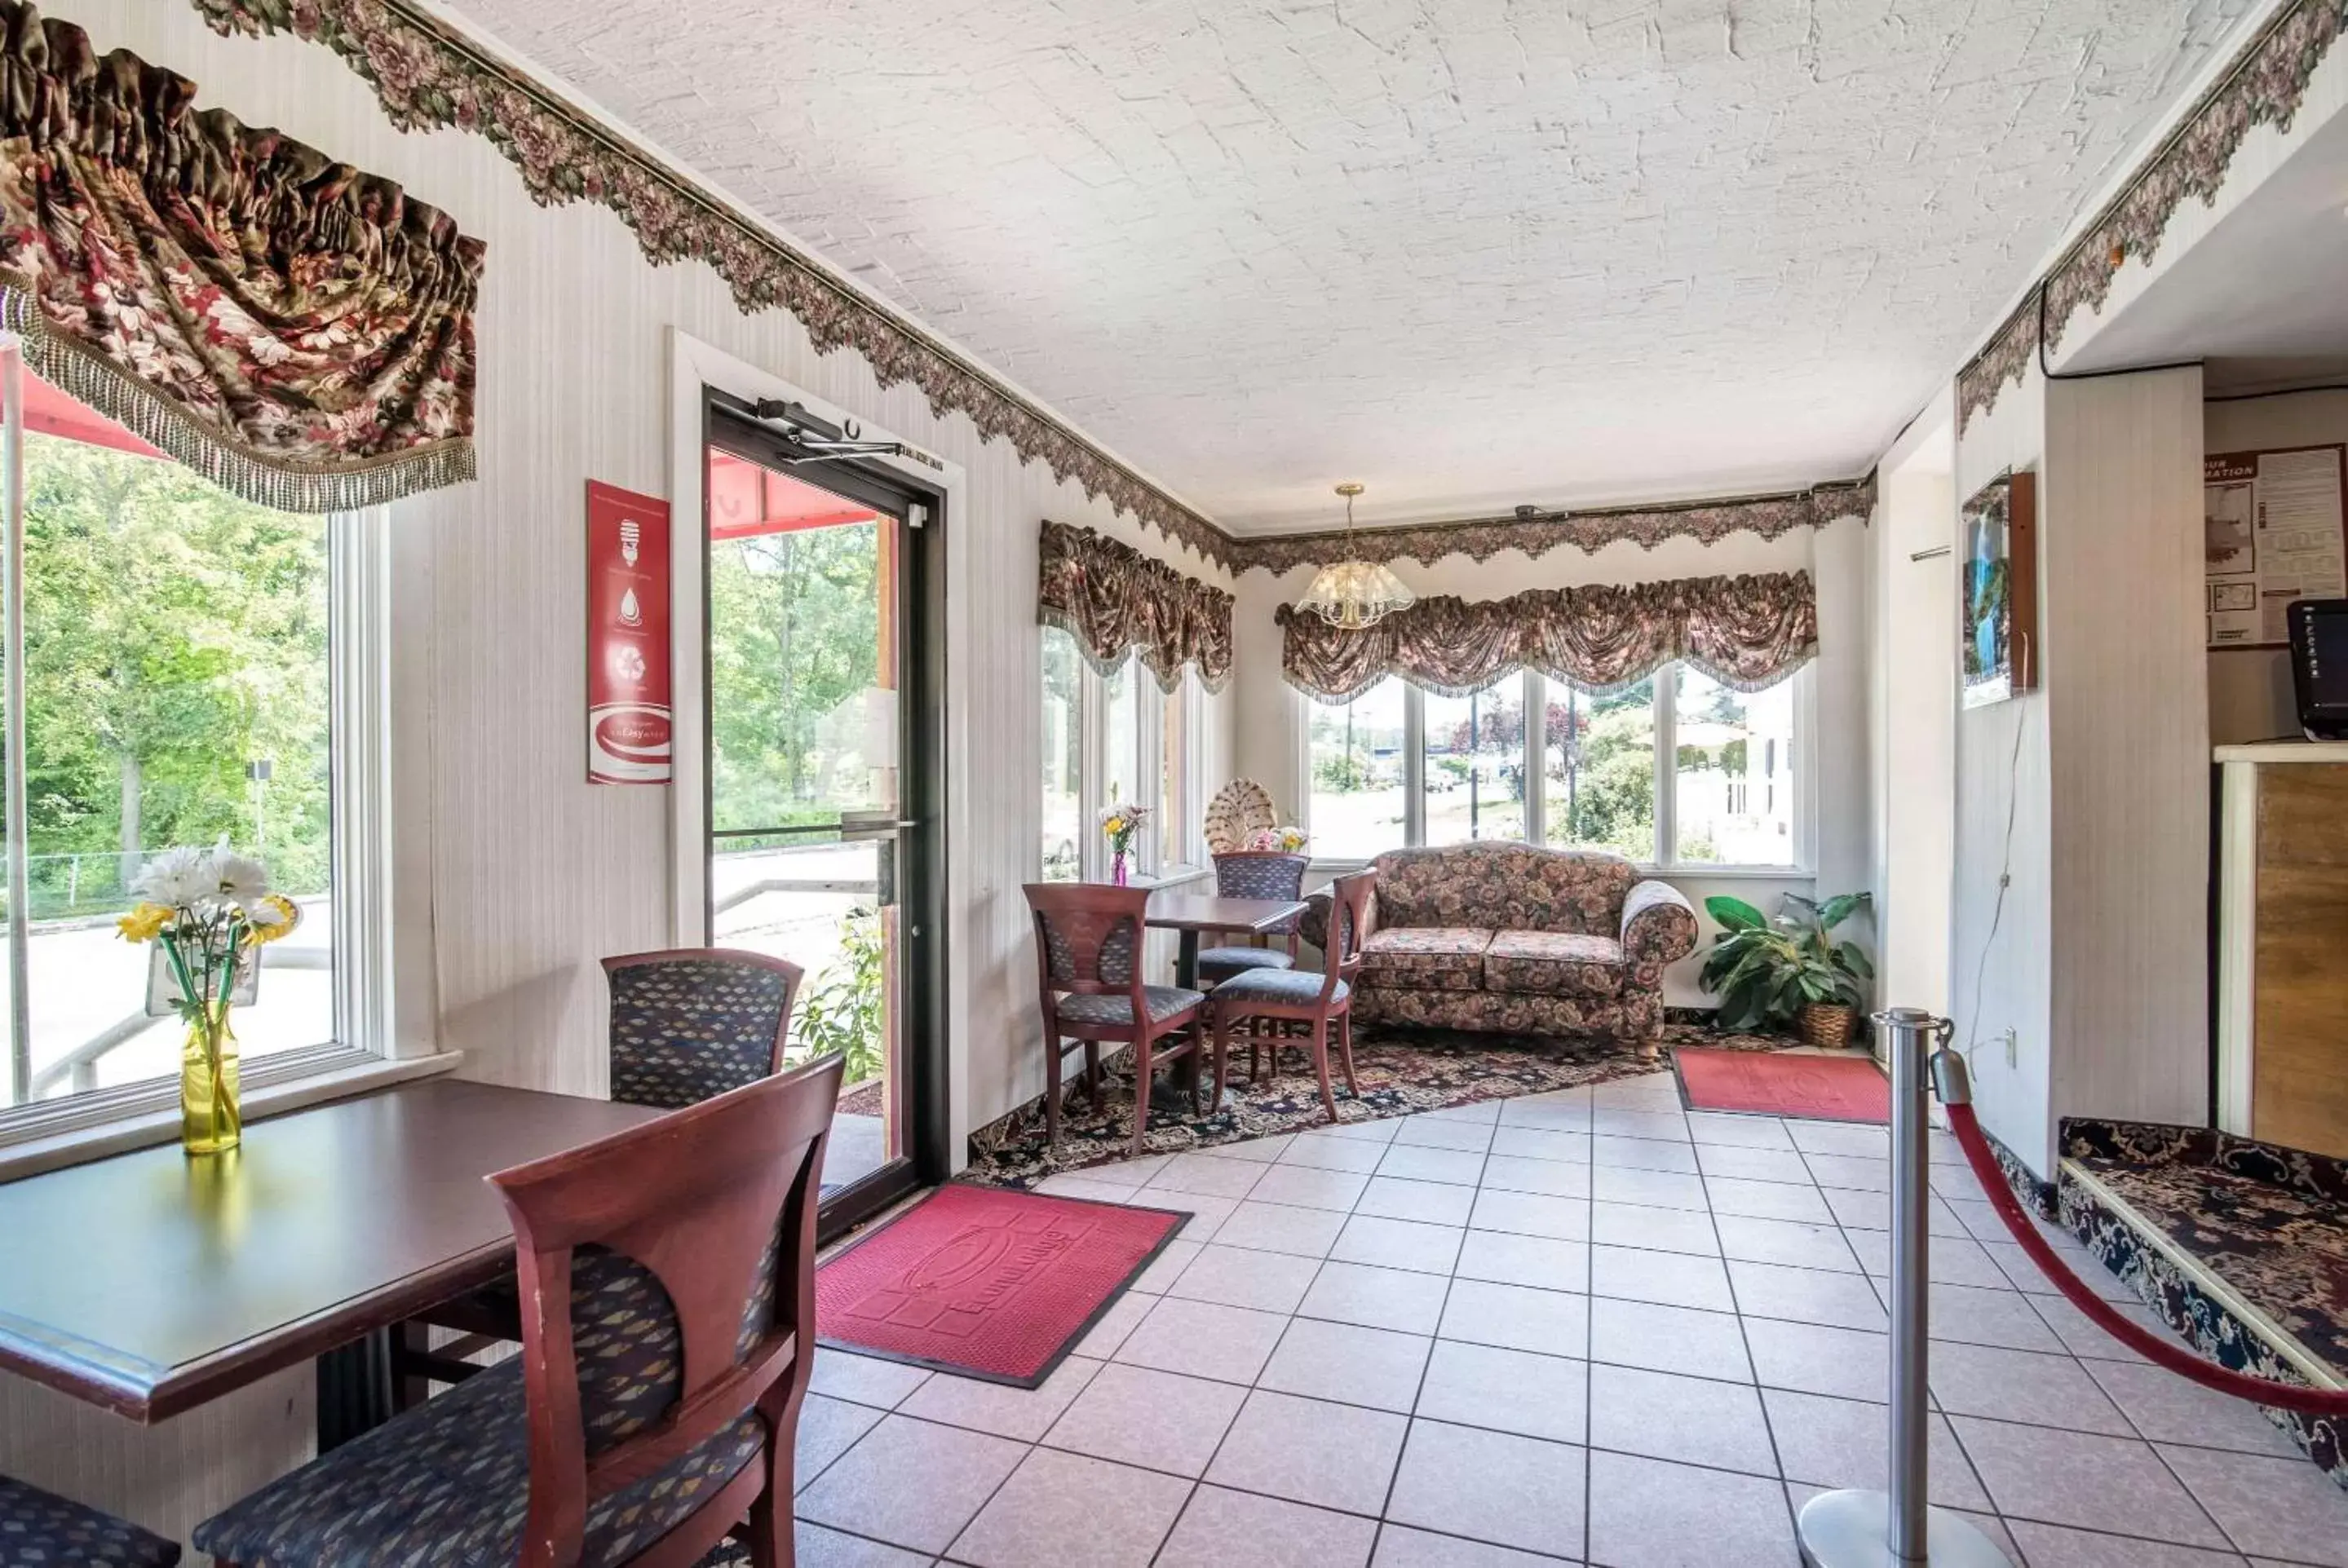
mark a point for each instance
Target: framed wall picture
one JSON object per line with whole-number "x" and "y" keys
{"x": 1999, "y": 581}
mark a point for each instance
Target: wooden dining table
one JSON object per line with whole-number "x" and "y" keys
{"x": 150, "y": 1281}
{"x": 1187, "y": 915}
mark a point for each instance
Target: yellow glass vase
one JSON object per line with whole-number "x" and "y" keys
{"x": 211, "y": 1112}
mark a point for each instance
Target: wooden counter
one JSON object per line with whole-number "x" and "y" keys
{"x": 2282, "y": 943}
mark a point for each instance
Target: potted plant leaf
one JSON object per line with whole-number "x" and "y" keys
{"x": 1790, "y": 971}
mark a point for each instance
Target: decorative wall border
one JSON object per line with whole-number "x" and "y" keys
{"x": 1538, "y": 533}
{"x": 428, "y": 77}
{"x": 2264, "y": 85}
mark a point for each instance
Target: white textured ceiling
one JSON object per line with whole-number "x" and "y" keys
{"x": 1471, "y": 252}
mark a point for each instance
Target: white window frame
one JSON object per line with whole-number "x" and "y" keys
{"x": 1161, "y": 854}
{"x": 366, "y": 1050}
{"x": 1662, "y": 858}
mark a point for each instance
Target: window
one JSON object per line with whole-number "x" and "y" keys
{"x": 1180, "y": 830}
{"x": 1734, "y": 785}
{"x": 1598, "y": 773}
{"x": 1111, "y": 739}
{"x": 1358, "y": 763}
{"x": 188, "y": 677}
{"x": 1064, "y": 752}
{"x": 1473, "y": 776}
{"x": 1675, "y": 771}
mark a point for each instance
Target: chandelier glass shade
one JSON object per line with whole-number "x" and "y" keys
{"x": 1354, "y": 594}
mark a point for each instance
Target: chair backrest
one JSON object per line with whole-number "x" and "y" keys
{"x": 688, "y": 1023}
{"x": 1089, "y": 939}
{"x": 1352, "y": 915}
{"x": 1262, "y": 874}
{"x": 667, "y": 1282}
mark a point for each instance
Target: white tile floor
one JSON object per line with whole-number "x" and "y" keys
{"x": 1576, "y": 1327}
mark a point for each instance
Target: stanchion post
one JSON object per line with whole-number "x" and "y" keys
{"x": 1895, "y": 1528}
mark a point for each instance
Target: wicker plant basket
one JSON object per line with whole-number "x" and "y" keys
{"x": 1826, "y": 1025}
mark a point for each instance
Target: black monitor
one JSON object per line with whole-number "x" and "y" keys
{"x": 2319, "y": 666}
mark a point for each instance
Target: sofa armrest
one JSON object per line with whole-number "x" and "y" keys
{"x": 1658, "y": 923}
{"x": 1314, "y": 924}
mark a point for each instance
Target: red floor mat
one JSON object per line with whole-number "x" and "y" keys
{"x": 1831, "y": 1087}
{"x": 985, "y": 1282}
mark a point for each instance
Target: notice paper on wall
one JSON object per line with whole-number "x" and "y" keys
{"x": 628, "y": 695}
{"x": 2272, "y": 531}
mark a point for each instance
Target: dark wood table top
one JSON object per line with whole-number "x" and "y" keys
{"x": 1210, "y": 912}
{"x": 149, "y": 1282}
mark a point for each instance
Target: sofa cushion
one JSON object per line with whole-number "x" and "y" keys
{"x": 1503, "y": 885}
{"x": 1426, "y": 958}
{"x": 1556, "y": 963}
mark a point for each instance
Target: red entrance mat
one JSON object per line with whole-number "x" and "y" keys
{"x": 986, "y": 1282}
{"x": 1766, "y": 1083}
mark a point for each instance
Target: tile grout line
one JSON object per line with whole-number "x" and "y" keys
{"x": 2033, "y": 1306}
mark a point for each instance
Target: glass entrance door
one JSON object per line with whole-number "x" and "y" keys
{"x": 820, "y": 818}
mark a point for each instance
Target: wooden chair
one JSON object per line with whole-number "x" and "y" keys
{"x": 1088, "y": 944}
{"x": 686, "y": 1024}
{"x": 1255, "y": 874}
{"x": 668, "y": 1274}
{"x": 1318, "y": 1000}
{"x": 41, "y": 1527}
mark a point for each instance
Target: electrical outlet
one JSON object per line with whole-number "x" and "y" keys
{"x": 2013, "y": 1048}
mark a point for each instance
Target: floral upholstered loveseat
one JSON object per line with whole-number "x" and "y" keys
{"x": 1516, "y": 939}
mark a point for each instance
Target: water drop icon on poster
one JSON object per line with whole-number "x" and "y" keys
{"x": 631, "y": 612}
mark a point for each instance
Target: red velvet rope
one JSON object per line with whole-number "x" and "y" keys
{"x": 2155, "y": 1347}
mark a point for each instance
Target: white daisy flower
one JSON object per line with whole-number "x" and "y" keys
{"x": 241, "y": 880}
{"x": 179, "y": 877}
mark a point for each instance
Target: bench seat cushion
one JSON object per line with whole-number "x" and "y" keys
{"x": 1426, "y": 958}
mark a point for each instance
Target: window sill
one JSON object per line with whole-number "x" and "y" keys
{"x": 1180, "y": 876}
{"x": 145, "y": 1128}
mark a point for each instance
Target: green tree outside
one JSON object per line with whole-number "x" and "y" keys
{"x": 174, "y": 634}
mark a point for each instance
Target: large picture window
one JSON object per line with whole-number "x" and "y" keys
{"x": 181, "y": 654}
{"x": 1473, "y": 776}
{"x": 1110, "y": 740}
{"x": 1676, "y": 771}
{"x": 1358, "y": 795}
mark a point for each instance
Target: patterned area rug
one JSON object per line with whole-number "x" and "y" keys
{"x": 1400, "y": 1072}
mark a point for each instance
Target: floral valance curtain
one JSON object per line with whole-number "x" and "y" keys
{"x": 1116, "y": 602}
{"x": 1744, "y": 632}
{"x": 297, "y": 331}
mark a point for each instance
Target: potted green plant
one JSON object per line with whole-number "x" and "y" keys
{"x": 1789, "y": 971}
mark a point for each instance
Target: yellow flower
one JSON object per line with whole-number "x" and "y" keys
{"x": 288, "y": 917}
{"x": 144, "y": 922}
{"x": 1113, "y": 826}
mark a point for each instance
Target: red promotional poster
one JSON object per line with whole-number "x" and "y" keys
{"x": 627, "y": 638}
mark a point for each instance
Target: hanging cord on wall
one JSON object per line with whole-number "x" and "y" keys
{"x": 2004, "y": 881}
{"x": 2051, "y": 373}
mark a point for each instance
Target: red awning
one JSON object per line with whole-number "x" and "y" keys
{"x": 53, "y": 413}
{"x": 747, "y": 500}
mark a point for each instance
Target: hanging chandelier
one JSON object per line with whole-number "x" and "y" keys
{"x": 1355, "y": 592}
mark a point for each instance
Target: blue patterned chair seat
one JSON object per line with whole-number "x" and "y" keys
{"x": 1222, "y": 963}
{"x": 1112, "y": 1008}
{"x": 40, "y": 1527}
{"x": 448, "y": 1483}
{"x": 1291, "y": 987}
